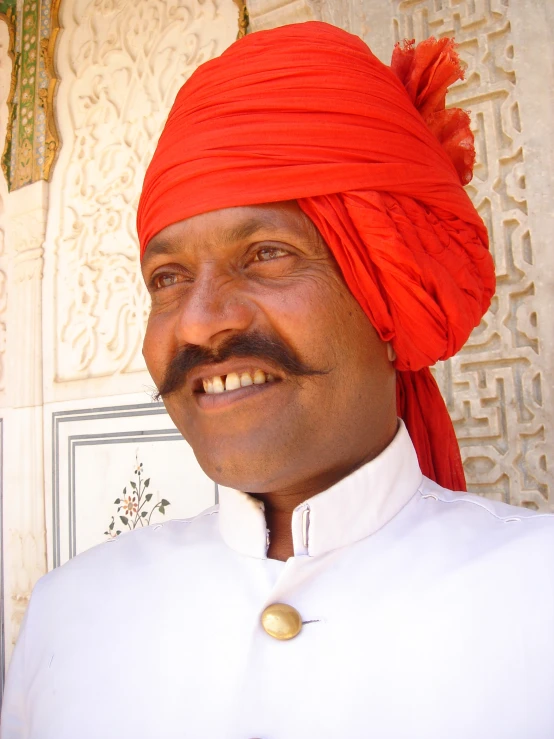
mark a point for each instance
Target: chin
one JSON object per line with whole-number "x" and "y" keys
{"x": 249, "y": 473}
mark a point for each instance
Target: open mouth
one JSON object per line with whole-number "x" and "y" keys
{"x": 233, "y": 381}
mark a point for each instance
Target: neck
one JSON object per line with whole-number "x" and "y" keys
{"x": 279, "y": 505}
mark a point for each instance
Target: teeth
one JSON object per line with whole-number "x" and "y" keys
{"x": 259, "y": 377}
{"x": 245, "y": 379}
{"x": 232, "y": 382}
{"x": 218, "y": 384}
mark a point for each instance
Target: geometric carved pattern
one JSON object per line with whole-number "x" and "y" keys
{"x": 494, "y": 386}
{"x": 121, "y": 64}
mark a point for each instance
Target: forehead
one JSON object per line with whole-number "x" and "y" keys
{"x": 230, "y": 226}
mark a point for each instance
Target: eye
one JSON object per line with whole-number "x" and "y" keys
{"x": 269, "y": 253}
{"x": 164, "y": 279}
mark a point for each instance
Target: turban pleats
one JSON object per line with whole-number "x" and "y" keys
{"x": 435, "y": 441}
{"x": 306, "y": 112}
{"x": 418, "y": 283}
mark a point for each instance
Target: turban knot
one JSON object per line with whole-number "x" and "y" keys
{"x": 306, "y": 112}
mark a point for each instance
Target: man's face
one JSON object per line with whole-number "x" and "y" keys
{"x": 251, "y": 299}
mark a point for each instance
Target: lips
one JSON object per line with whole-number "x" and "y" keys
{"x": 233, "y": 379}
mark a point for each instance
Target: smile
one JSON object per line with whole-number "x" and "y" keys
{"x": 235, "y": 380}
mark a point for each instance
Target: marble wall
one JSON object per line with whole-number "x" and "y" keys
{"x": 84, "y": 451}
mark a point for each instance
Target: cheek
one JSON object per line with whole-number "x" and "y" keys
{"x": 310, "y": 315}
{"x": 350, "y": 339}
{"x": 337, "y": 324}
{"x": 157, "y": 346}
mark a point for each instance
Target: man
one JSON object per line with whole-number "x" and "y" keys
{"x": 310, "y": 251}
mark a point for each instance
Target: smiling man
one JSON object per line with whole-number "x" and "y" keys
{"x": 247, "y": 344}
{"x": 310, "y": 251}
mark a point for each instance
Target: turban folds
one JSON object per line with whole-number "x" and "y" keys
{"x": 306, "y": 112}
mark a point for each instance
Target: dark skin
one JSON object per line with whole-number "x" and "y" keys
{"x": 266, "y": 270}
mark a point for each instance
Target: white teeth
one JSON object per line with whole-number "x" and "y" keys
{"x": 218, "y": 384}
{"x": 259, "y": 377}
{"x": 232, "y": 382}
{"x": 245, "y": 379}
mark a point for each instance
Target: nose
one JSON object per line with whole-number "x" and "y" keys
{"x": 214, "y": 305}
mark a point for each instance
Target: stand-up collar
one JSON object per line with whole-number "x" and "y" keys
{"x": 354, "y": 508}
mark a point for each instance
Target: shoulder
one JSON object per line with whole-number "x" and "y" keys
{"x": 487, "y": 524}
{"x": 479, "y": 507}
{"x": 133, "y": 555}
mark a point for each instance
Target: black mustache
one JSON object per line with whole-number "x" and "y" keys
{"x": 252, "y": 345}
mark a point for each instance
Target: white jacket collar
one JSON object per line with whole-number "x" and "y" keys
{"x": 354, "y": 508}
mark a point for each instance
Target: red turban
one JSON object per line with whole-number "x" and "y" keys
{"x": 306, "y": 112}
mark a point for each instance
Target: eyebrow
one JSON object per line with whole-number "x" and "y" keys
{"x": 159, "y": 247}
{"x": 235, "y": 233}
{"x": 245, "y": 230}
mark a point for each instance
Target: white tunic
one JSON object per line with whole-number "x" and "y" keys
{"x": 429, "y": 615}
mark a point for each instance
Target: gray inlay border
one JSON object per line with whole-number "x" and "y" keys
{"x": 85, "y": 414}
{"x": 124, "y": 437}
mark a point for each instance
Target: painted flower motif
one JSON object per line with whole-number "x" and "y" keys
{"x": 130, "y": 505}
{"x": 135, "y": 508}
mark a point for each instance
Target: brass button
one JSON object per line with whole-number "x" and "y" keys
{"x": 281, "y": 621}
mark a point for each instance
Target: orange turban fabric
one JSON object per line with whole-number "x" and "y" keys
{"x": 306, "y": 112}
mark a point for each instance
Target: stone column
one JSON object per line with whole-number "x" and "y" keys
{"x": 7, "y": 83}
{"x": 24, "y": 515}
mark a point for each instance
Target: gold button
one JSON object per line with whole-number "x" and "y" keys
{"x": 281, "y": 621}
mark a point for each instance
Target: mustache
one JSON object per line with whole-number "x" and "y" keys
{"x": 252, "y": 345}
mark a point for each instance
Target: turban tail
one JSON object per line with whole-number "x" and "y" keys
{"x": 306, "y": 112}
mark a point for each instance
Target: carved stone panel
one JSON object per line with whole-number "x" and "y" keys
{"x": 121, "y": 64}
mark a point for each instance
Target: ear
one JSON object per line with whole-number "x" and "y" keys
{"x": 391, "y": 353}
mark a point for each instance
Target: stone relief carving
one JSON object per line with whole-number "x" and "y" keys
{"x": 272, "y": 13}
{"x": 494, "y": 386}
{"x": 121, "y": 63}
